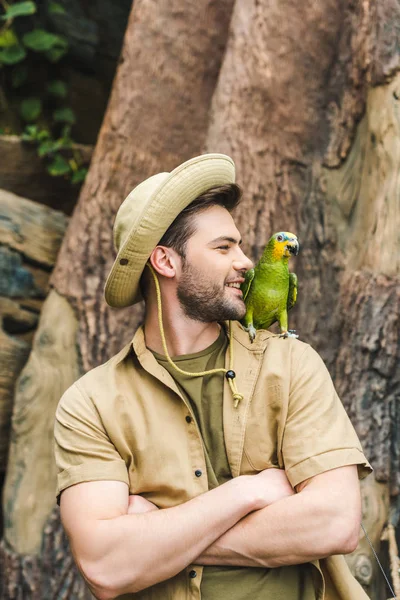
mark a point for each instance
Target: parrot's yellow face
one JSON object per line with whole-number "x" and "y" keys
{"x": 284, "y": 245}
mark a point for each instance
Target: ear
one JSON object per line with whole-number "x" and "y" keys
{"x": 164, "y": 261}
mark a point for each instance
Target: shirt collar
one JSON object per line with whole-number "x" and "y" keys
{"x": 138, "y": 345}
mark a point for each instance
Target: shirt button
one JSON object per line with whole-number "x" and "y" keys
{"x": 188, "y": 419}
{"x": 198, "y": 473}
{"x": 192, "y": 574}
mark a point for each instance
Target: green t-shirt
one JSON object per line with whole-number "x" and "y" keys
{"x": 205, "y": 396}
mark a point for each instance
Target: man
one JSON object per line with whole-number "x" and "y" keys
{"x": 226, "y": 471}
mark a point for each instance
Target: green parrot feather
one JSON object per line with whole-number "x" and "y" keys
{"x": 270, "y": 290}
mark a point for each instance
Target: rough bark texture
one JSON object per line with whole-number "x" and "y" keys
{"x": 38, "y": 390}
{"x": 374, "y": 517}
{"x": 316, "y": 149}
{"x": 23, "y": 576}
{"x": 30, "y": 237}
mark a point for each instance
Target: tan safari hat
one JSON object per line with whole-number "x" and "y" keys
{"x": 148, "y": 211}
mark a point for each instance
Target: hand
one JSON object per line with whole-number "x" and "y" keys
{"x": 268, "y": 487}
{"x": 137, "y": 504}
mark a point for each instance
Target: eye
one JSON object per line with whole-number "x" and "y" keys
{"x": 223, "y": 248}
{"x": 280, "y": 238}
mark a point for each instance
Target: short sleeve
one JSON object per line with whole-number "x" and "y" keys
{"x": 318, "y": 434}
{"x": 83, "y": 450}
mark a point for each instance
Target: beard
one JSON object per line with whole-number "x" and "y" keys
{"x": 205, "y": 301}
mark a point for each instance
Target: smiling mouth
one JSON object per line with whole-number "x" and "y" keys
{"x": 233, "y": 285}
{"x": 236, "y": 288}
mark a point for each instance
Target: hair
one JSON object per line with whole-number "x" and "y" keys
{"x": 184, "y": 226}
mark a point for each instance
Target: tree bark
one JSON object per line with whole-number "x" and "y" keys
{"x": 306, "y": 104}
{"x": 30, "y": 235}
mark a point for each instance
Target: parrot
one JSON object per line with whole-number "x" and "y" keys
{"x": 269, "y": 290}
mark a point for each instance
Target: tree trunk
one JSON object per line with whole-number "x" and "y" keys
{"x": 307, "y": 105}
{"x": 157, "y": 117}
{"x": 30, "y": 235}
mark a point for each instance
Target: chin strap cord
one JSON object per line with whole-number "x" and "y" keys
{"x": 229, "y": 373}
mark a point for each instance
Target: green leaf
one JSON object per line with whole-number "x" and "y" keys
{"x": 79, "y": 176}
{"x": 12, "y": 55}
{"x": 8, "y": 38}
{"x": 59, "y": 166}
{"x": 29, "y": 133}
{"x": 40, "y": 40}
{"x": 56, "y": 9}
{"x": 19, "y": 9}
{"x": 55, "y": 54}
{"x": 66, "y": 133}
{"x": 47, "y": 147}
{"x": 57, "y": 88}
{"x": 19, "y": 76}
{"x": 30, "y": 109}
{"x": 43, "y": 134}
{"x": 64, "y": 115}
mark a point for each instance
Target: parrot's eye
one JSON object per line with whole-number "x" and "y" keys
{"x": 280, "y": 238}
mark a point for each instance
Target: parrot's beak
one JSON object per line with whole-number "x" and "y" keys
{"x": 293, "y": 247}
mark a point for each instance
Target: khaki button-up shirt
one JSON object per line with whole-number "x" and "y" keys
{"x": 126, "y": 421}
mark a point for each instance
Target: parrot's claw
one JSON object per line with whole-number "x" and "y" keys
{"x": 251, "y": 330}
{"x": 290, "y": 333}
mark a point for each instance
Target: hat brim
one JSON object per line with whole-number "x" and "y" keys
{"x": 183, "y": 185}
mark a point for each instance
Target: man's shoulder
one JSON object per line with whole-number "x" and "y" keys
{"x": 267, "y": 340}
{"x": 283, "y": 360}
{"x": 96, "y": 382}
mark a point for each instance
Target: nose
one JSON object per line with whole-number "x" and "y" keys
{"x": 242, "y": 262}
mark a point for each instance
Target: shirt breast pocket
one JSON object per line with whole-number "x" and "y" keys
{"x": 263, "y": 438}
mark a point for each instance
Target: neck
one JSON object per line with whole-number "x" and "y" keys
{"x": 183, "y": 335}
{"x": 269, "y": 257}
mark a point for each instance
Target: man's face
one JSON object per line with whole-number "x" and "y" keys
{"x": 213, "y": 269}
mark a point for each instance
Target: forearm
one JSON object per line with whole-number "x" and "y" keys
{"x": 134, "y": 551}
{"x": 295, "y": 530}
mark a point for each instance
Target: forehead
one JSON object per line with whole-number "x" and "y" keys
{"x": 214, "y": 222}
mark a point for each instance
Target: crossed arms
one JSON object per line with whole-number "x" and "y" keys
{"x": 124, "y": 544}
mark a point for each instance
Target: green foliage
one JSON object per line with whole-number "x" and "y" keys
{"x": 79, "y": 175}
{"x": 30, "y": 109}
{"x": 55, "y": 54}
{"x": 64, "y": 115}
{"x": 59, "y": 166}
{"x": 33, "y": 133}
{"x": 19, "y": 9}
{"x": 56, "y": 9}
{"x": 12, "y": 55}
{"x": 56, "y": 152}
{"x": 19, "y": 76}
{"x": 24, "y": 43}
{"x": 8, "y": 38}
{"x": 57, "y": 88}
{"x": 42, "y": 41}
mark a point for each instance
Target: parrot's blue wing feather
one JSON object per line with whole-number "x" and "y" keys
{"x": 292, "y": 295}
{"x": 246, "y": 285}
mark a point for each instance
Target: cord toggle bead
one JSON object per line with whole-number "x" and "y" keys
{"x": 230, "y": 374}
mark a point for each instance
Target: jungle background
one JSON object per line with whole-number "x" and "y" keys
{"x": 95, "y": 96}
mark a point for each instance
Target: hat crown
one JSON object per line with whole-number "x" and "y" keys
{"x": 133, "y": 206}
